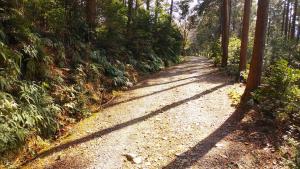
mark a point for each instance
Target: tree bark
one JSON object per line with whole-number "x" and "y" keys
{"x": 287, "y": 18}
{"x": 245, "y": 34}
{"x": 283, "y": 17}
{"x": 298, "y": 34}
{"x": 91, "y": 12}
{"x": 254, "y": 78}
{"x": 293, "y": 29}
{"x": 148, "y": 5}
{"x": 156, "y": 11}
{"x": 129, "y": 14}
{"x": 225, "y": 32}
{"x": 171, "y": 11}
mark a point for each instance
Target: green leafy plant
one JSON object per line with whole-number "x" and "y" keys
{"x": 33, "y": 111}
{"x": 279, "y": 95}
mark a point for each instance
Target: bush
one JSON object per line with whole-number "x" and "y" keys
{"x": 10, "y": 67}
{"x": 279, "y": 96}
{"x": 233, "y": 55}
{"x": 32, "y": 111}
{"x": 281, "y": 48}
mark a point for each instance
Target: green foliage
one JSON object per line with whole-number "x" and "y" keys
{"x": 52, "y": 60}
{"x": 234, "y": 50}
{"x": 279, "y": 96}
{"x": 10, "y": 67}
{"x": 235, "y": 96}
{"x": 32, "y": 111}
{"x": 216, "y": 52}
{"x": 233, "y": 54}
{"x": 281, "y": 48}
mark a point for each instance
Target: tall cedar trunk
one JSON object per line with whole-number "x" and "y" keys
{"x": 293, "y": 29}
{"x": 148, "y": 5}
{"x": 269, "y": 28}
{"x": 91, "y": 13}
{"x": 298, "y": 36}
{"x": 245, "y": 34}
{"x": 171, "y": 10}
{"x": 156, "y": 11}
{"x": 129, "y": 14}
{"x": 225, "y": 32}
{"x": 283, "y": 17}
{"x": 290, "y": 24}
{"x": 254, "y": 78}
{"x": 287, "y": 18}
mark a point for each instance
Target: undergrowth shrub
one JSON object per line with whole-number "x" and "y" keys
{"x": 33, "y": 111}
{"x": 9, "y": 67}
{"x": 279, "y": 96}
{"x": 281, "y": 48}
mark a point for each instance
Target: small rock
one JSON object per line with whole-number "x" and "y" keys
{"x": 129, "y": 84}
{"x": 179, "y": 154}
{"x": 164, "y": 138}
{"x": 138, "y": 160}
{"x": 58, "y": 158}
{"x": 219, "y": 145}
{"x": 130, "y": 156}
{"x": 134, "y": 158}
{"x": 148, "y": 164}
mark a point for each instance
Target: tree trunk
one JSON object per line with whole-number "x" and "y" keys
{"x": 298, "y": 35}
{"x": 156, "y": 11}
{"x": 225, "y": 32}
{"x": 245, "y": 34}
{"x": 129, "y": 14}
{"x": 91, "y": 13}
{"x": 254, "y": 78}
{"x": 287, "y": 18}
{"x": 283, "y": 17}
{"x": 148, "y": 5}
{"x": 293, "y": 31}
{"x": 171, "y": 10}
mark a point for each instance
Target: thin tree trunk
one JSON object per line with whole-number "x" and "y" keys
{"x": 293, "y": 31}
{"x": 245, "y": 34}
{"x": 171, "y": 10}
{"x": 287, "y": 18}
{"x": 298, "y": 36}
{"x": 254, "y": 78}
{"x": 129, "y": 14}
{"x": 225, "y": 32}
{"x": 156, "y": 11}
{"x": 283, "y": 17}
{"x": 91, "y": 12}
{"x": 148, "y": 5}
{"x": 269, "y": 26}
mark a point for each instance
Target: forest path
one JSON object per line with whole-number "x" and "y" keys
{"x": 177, "y": 118}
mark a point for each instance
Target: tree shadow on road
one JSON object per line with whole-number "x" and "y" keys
{"x": 123, "y": 125}
{"x": 204, "y": 146}
{"x": 199, "y": 79}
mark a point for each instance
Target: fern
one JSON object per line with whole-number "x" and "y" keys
{"x": 33, "y": 111}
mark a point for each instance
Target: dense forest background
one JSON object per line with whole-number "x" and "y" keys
{"x": 61, "y": 60}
